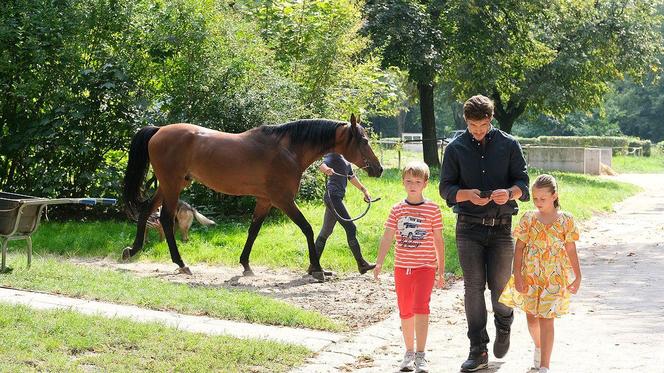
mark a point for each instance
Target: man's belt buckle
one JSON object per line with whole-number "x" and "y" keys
{"x": 486, "y": 221}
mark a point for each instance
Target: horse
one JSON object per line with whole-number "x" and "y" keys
{"x": 266, "y": 162}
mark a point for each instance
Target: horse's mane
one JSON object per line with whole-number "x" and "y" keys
{"x": 319, "y": 133}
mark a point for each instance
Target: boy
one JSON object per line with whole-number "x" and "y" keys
{"x": 417, "y": 225}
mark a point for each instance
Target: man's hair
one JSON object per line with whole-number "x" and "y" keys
{"x": 478, "y": 107}
{"x": 416, "y": 169}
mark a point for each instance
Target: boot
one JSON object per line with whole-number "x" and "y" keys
{"x": 320, "y": 246}
{"x": 362, "y": 265}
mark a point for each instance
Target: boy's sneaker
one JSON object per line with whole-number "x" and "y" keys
{"x": 421, "y": 365}
{"x": 537, "y": 358}
{"x": 408, "y": 362}
{"x": 477, "y": 359}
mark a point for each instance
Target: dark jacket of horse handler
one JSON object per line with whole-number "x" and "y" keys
{"x": 483, "y": 174}
{"x": 339, "y": 173}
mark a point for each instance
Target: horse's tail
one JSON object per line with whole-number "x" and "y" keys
{"x": 137, "y": 167}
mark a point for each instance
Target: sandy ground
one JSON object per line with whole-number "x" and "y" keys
{"x": 617, "y": 318}
{"x": 354, "y": 299}
{"x": 616, "y": 322}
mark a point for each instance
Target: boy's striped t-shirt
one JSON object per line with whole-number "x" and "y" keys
{"x": 414, "y": 225}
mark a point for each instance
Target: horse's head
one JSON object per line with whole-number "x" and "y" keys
{"x": 355, "y": 147}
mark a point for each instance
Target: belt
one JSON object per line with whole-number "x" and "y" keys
{"x": 484, "y": 221}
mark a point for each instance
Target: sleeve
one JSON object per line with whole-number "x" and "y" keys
{"x": 437, "y": 218}
{"x": 522, "y": 230}
{"x": 391, "y": 222}
{"x": 519, "y": 172}
{"x": 449, "y": 177}
{"x": 349, "y": 168}
{"x": 571, "y": 230}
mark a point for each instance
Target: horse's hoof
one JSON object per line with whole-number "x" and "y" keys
{"x": 365, "y": 267}
{"x": 184, "y": 271}
{"x": 126, "y": 253}
{"x": 319, "y": 276}
{"x": 248, "y": 273}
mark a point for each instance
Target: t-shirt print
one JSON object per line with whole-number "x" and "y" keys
{"x": 411, "y": 232}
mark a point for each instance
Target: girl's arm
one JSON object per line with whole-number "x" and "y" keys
{"x": 385, "y": 244}
{"x": 439, "y": 245}
{"x": 356, "y": 181}
{"x": 570, "y": 247}
{"x": 519, "y": 283}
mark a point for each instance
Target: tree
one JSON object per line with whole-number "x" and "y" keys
{"x": 410, "y": 35}
{"x": 550, "y": 57}
{"x": 317, "y": 45}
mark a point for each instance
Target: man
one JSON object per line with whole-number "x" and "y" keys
{"x": 483, "y": 174}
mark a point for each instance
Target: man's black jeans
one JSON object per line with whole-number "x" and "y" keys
{"x": 485, "y": 254}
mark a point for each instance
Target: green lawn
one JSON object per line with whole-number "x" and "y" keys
{"x": 64, "y": 341}
{"x": 55, "y": 275}
{"x": 638, "y": 165}
{"x": 281, "y": 244}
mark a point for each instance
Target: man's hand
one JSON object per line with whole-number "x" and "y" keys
{"x": 500, "y": 196}
{"x": 475, "y": 198}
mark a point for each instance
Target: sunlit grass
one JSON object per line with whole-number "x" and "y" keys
{"x": 64, "y": 341}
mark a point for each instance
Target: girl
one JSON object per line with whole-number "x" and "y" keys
{"x": 546, "y": 268}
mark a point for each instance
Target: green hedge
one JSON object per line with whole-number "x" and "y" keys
{"x": 620, "y": 144}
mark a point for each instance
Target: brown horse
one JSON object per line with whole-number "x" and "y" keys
{"x": 266, "y": 162}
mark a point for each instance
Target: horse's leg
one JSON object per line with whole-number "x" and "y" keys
{"x": 294, "y": 213}
{"x": 263, "y": 206}
{"x": 167, "y": 220}
{"x": 141, "y": 232}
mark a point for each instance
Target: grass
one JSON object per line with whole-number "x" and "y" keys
{"x": 65, "y": 341}
{"x": 638, "y": 165}
{"x": 281, "y": 244}
{"x": 57, "y": 276}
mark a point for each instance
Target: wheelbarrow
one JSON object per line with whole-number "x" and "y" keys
{"x": 20, "y": 216}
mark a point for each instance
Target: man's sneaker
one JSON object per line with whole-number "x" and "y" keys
{"x": 407, "y": 364}
{"x": 477, "y": 359}
{"x": 537, "y": 358}
{"x": 502, "y": 342}
{"x": 421, "y": 365}
{"x": 543, "y": 370}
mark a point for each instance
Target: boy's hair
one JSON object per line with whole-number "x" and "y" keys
{"x": 478, "y": 107}
{"x": 416, "y": 169}
{"x": 546, "y": 181}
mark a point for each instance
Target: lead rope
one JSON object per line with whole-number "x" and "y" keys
{"x": 369, "y": 202}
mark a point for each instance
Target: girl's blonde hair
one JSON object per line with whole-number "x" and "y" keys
{"x": 546, "y": 181}
{"x": 416, "y": 169}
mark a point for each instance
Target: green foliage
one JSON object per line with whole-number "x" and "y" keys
{"x": 552, "y": 57}
{"x": 619, "y": 144}
{"x": 79, "y": 76}
{"x": 316, "y": 44}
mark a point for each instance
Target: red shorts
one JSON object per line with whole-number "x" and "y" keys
{"x": 414, "y": 290}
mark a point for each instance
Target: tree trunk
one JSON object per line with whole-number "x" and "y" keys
{"x": 401, "y": 121}
{"x": 429, "y": 138}
{"x": 506, "y": 115}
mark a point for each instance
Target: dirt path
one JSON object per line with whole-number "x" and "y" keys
{"x": 616, "y": 322}
{"x": 617, "y": 319}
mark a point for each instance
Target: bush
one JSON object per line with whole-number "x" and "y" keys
{"x": 619, "y": 144}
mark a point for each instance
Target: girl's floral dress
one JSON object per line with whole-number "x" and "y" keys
{"x": 546, "y": 268}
